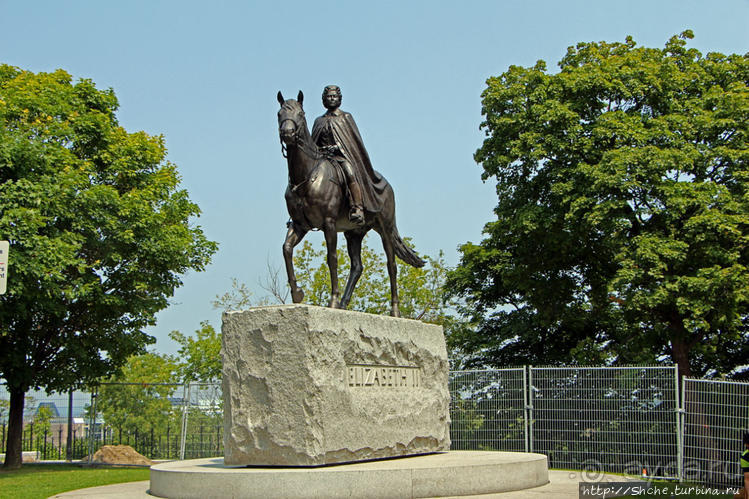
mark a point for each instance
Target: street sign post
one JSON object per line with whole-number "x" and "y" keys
{"x": 4, "y": 247}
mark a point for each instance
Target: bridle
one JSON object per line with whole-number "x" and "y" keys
{"x": 308, "y": 148}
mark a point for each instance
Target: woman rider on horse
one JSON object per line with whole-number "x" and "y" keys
{"x": 336, "y": 135}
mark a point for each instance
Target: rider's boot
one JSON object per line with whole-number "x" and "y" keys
{"x": 357, "y": 212}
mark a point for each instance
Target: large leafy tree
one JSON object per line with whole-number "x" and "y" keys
{"x": 622, "y": 220}
{"x": 100, "y": 233}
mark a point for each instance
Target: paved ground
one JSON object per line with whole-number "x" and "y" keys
{"x": 562, "y": 485}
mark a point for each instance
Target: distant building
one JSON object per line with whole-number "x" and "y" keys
{"x": 51, "y": 406}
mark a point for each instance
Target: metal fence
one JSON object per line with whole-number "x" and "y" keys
{"x": 57, "y": 433}
{"x": 158, "y": 420}
{"x": 617, "y": 419}
{"x": 622, "y": 419}
{"x": 487, "y": 410}
{"x": 715, "y": 413}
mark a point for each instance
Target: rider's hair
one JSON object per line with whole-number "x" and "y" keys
{"x": 331, "y": 88}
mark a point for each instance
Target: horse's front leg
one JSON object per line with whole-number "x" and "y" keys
{"x": 331, "y": 240}
{"x": 293, "y": 237}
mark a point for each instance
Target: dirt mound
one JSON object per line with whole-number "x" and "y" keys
{"x": 120, "y": 454}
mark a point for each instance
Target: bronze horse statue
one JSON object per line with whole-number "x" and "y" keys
{"x": 316, "y": 199}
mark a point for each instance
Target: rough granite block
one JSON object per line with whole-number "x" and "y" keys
{"x": 308, "y": 386}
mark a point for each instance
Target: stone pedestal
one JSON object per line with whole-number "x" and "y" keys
{"x": 448, "y": 474}
{"x": 309, "y": 386}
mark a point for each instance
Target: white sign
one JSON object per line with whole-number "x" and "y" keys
{"x": 4, "y": 247}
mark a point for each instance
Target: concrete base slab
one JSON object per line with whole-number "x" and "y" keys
{"x": 455, "y": 473}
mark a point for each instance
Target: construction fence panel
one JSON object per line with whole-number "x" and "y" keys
{"x": 204, "y": 423}
{"x": 613, "y": 419}
{"x": 716, "y": 413}
{"x": 487, "y": 410}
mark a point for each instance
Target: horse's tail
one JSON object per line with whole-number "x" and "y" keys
{"x": 403, "y": 251}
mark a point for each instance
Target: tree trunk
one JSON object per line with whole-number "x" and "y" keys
{"x": 13, "y": 454}
{"x": 680, "y": 355}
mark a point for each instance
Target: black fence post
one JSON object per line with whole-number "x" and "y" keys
{"x": 151, "y": 456}
{"x": 44, "y": 455}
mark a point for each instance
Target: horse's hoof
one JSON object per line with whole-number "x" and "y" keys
{"x": 297, "y": 296}
{"x": 394, "y": 311}
{"x": 334, "y": 303}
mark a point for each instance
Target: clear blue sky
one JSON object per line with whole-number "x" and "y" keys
{"x": 205, "y": 75}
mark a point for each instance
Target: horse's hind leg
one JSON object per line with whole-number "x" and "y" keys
{"x": 387, "y": 244}
{"x": 293, "y": 237}
{"x": 353, "y": 245}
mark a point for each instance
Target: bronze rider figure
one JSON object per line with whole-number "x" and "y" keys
{"x": 336, "y": 135}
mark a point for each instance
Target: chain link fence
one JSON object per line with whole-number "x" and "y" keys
{"x": 614, "y": 419}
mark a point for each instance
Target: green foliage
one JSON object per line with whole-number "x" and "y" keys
{"x": 622, "y": 219}
{"x": 139, "y": 401}
{"x": 42, "y": 419}
{"x": 100, "y": 233}
{"x": 200, "y": 356}
{"x": 99, "y": 229}
{"x": 239, "y": 297}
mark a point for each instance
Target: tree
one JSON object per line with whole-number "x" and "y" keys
{"x": 200, "y": 355}
{"x": 42, "y": 419}
{"x": 100, "y": 233}
{"x": 136, "y": 400}
{"x": 622, "y": 219}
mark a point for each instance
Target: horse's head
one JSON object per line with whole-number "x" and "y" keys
{"x": 291, "y": 121}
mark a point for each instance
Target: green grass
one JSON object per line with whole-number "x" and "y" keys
{"x": 39, "y": 481}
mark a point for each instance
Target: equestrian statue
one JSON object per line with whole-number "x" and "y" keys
{"x": 333, "y": 188}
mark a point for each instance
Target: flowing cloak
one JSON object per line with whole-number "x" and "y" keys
{"x": 346, "y": 135}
